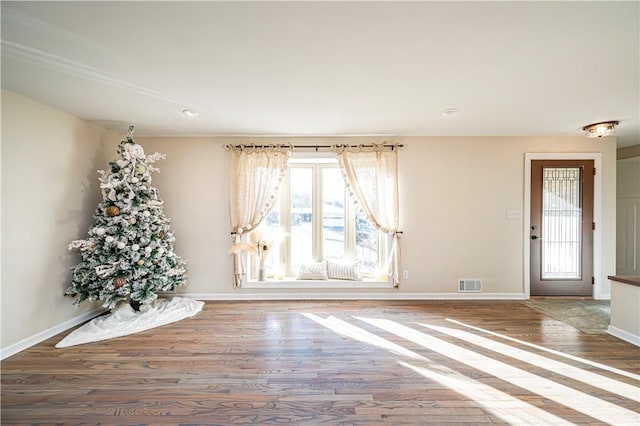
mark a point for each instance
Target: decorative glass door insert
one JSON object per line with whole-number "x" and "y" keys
{"x": 561, "y": 223}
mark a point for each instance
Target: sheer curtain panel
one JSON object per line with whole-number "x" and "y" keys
{"x": 371, "y": 176}
{"x": 256, "y": 174}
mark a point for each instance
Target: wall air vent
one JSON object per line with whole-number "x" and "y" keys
{"x": 469, "y": 285}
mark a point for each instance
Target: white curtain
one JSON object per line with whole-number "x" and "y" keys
{"x": 371, "y": 177}
{"x": 256, "y": 174}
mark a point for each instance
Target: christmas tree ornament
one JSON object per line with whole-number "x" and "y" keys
{"x": 112, "y": 211}
{"x": 134, "y": 151}
{"x": 119, "y": 282}
{"x": 161, "y": 234}
{"x": 140, "y": 168}
{"x": 111, "y": 254}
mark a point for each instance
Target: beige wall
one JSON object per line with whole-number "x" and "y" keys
{"x": 625, "y": 315}
{"x": 628, "y": 216}
{"x": 49, "y": 192}
{"x": 454, "y": 194}
{"x": 454, "y": 197}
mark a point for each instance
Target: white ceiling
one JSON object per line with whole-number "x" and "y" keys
{"x": 330, "y": 68}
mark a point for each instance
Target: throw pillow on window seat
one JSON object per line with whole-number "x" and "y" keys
{"x": 344, "y": 270}
{"x": 313, "y": 271}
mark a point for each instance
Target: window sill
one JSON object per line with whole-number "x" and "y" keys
{"x": 300, "y": 284}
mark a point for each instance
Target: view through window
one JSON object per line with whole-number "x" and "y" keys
{"x": 315, "y": 219}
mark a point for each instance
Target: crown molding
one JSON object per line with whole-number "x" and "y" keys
{"x": 60, "y": 64}
{"x": 628, "y": 152}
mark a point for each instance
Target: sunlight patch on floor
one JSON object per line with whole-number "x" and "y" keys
{"x": 596, "y": 380}
{"x": 551, "y": 351}
{"x": 345, "y": 329}
{"x": 510, "y": 409}
{"x": 501, "y": 404}
{"x": 572, "y": 398}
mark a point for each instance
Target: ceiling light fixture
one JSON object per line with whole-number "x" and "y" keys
{"x": 190, "y": 113}
{"x": 449, "y": 112}
{"x": 598, "y": 130}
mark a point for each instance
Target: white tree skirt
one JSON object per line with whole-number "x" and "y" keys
{"x": 123, "y": 320}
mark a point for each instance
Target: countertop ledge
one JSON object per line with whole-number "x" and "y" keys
{"x": 627, "y": 279}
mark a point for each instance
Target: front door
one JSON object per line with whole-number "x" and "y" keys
{"x": 561, "y": 233}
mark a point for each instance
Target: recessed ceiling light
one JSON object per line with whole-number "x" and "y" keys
{"x": 449, "y": 112}
{"x": 190, "y": 113}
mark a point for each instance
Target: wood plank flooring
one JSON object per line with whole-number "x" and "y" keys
{"x": 333, "y": 363}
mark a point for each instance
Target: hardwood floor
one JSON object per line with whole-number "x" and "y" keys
{"x": 334, "y": 363}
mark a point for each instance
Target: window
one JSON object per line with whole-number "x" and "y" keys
{"x": 315, "y": 219}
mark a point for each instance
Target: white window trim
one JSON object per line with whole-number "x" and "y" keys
{"x": 289, "y": 282}
{"x": 317, "y": 284}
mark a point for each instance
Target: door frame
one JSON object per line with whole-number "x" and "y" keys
{"x": 597, "y": 215}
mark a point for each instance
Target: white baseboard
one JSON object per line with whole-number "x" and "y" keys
{"x": 624, "y": 335}
{"x": 44, "y": 335}
{"x": 354, "y": 296}
{"x": 241, "y": 295}
{"x": 602, "y": 296}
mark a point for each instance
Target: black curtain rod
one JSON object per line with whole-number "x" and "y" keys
{"x": 316, "y": 147}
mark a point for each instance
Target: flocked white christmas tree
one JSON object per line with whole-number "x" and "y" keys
{"x": 128, "y": 254}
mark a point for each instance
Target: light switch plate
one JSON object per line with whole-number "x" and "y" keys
{"x": 514, "y": 214}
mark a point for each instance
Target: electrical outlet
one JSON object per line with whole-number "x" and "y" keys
{"x": 405, "y": 275}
